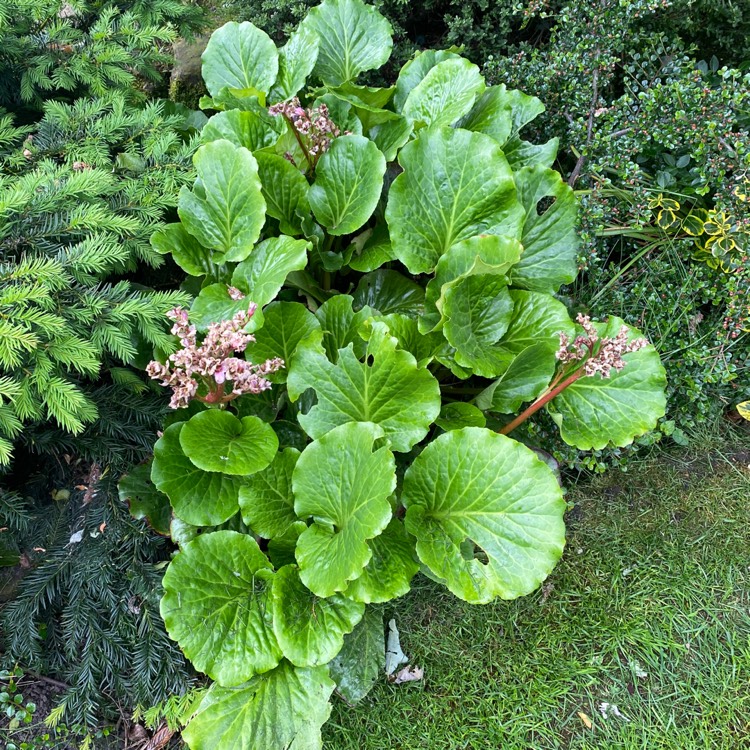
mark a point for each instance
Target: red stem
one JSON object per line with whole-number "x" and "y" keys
{"x": 301, "y": 145}
{"x": 540, "y": 402}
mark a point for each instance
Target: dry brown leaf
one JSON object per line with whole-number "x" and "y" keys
{"x": 585, "y": 719}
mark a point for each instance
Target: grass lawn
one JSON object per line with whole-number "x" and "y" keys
{"x": 648, "y": 610}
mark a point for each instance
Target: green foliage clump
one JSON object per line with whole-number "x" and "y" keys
{"x": 376, "y": 315}
{"x": 52, "y": 48}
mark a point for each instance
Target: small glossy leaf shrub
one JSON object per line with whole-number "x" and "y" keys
{"x": 375, "y": 313}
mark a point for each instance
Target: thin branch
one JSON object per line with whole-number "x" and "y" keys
{"x": 575, "y": 174}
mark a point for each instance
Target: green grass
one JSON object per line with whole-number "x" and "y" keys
{"x": 655, "y": 579}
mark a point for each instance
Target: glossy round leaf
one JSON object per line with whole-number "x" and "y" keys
{"x": 344, "y": 483}
{"x": 310, "y": 630}
{"x": 280, "y": 710}
{"x": 217, "y": 441}
{"x": 445, "y": 94}
{"x": 186, "y": 251}
{"x": 266, "y": 498}
{"x": 594, "y": 411}
{"x": 341, "y": 325}
{"x": 492, "y": 114}
{"x": 225, "y": 210}
{"x": 354, "y": 38}
{"x": 387, "y": 291}
{"x": 201, "y": 498}
{"x": 455, "y": 185}
{"x": 392, "y": 566}
{"x": 348, "y": 183}
{"x": 478, "y": 486}
{"x": 537, "y": 319}
{"x": 239, "y": 56}
{"x": 214, "y": 304}
{"x": 458, "y": 414}
{"x": 415, "y": 70}
{"x": 388, "y": 389}
{"x": 251, "y": 130}
{"x": 216, "y": 605}
{"x": 296, "y": 61}
{"x": 285, "y": 189}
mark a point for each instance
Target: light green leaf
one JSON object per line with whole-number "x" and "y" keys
{"x": 478, "y": 311}
{"x": 225, "y": 210}
{"x": 251, "y": 130}
{"x": 456, "y": 415}
{"x": 266, "y": 499}
{"x": 455, "y": 185}
{"x": 528, "y": 374}
{"x": 348, "y": 182}
{"x": 388, "y": 389}
{"x": 387, "y": 291}
{"x": 524, "y": 154}
{"x": 424, "y": 347}
{"x": 391, "y": 567}
{"x": 354, "y": 38}
{"x": 216, "y": 605}
{"x": 537, "y": 319}
{"x": 296, "y": 61}
{"x": 310, "y": 630}
{"x": 281, "y": 549}
{"x": 185, "y": 250}
{"x": 281, "y": 710}
{"x": 240, "y": 56}
{"x": 549, "y": 240}
{"x": 485, "y": 254}
{"x": 285, "y": 189}
{"x": 474, "y": 484}
{"x": 263, "y": 274}
{"x": 217, "y": 441}
{"x": 285, "y": 324}
{"x": 199, "y": 497}
{"x": 371, "y": 97}
{"x": 445, "y": 94}
{"x": 341, "y": 112}
{"x": 594, "y": 411}
{"x": 341, "y": 325}
{"x": 492, "y": 114}
{"x": 370, "y": 249}
{"x": 344, "y": 485}
{"x": 214, "y": 304}
{"x": 415, "y": 70}
{"x": 362, "y": 659}
{"x": 389, "y": 136}
{"x": 143, "y": 499}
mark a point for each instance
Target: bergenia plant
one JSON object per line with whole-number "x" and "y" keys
{"x": 377, "y": 314}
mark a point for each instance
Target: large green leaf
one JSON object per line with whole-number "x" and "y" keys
{"x": 476, "y": 485}
{"x": 201, "y": 498}
{"x": 240, "y": 56}
{"x": 251, "y": 130}
{"x": 455, "y": 185}
{"x": 263, "y": 274}
{"x": 424, "y": 347}
{"x": 389, "y": 136}
{"x": 341, "y": 325}
{"x": 387, "y": 291}
{"x": 485, "y": 254}
{"x": 285, "y": 189}
{"x": 370, "y": 249}
{"x": 478, "y": 311}
{"x": 362, "y": 659}
{"x": 296, "y": 61}
{"x": 217, "y": 441}
{"x": 445, "y": 94}
{"x": 391, "y": 567}
{"x": 528, "y": 374}
{"x": 186, "y": 251}
{"x": 415, "y": 70}
{"x": 266, "y": 498}
{"x": 354, "y": 38}
{"x": 537, "y": 319}
{"x": 285, "y": 324}
{"x": 144, "y": 501}
{"x": 281, "y": 710}
{"x": 388, "y": 389}
{"x": 348, "y": 182}
{"x": 594, "y": 411}
{"x": 217, "y": 606}
{"x": 492, "y": 114}
{"x": 458, "y": 414}
{"x": 214, "y": 303}
{"x": 344, "y": 485}
{"x": 520, "y": 153}
{"x": 225, "y": 210}
{"x": 549, "y": 237}
{"x": 310, "y": 630}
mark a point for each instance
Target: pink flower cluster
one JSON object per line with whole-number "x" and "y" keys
{"x": 315, "y": 124}
{"x": 212, "y": 364}
{"x": 598, "y": 355}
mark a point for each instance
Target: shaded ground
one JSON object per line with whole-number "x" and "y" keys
{"x": 649, "y": 610}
